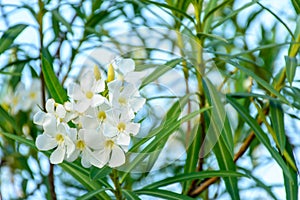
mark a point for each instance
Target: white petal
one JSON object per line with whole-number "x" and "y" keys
{"x": 50, "y": 124}
{"x": 93, "y": 139}
{"x": 117, "y": 157}
{"x": 87, "y": 81}
{"x": 85, "y": 160}
{"x": 132, "y": 128}
{"x": 62, "y": 128}
{"x": 114, "y": 85}
{"x": 99, "y": 86}
{"x": 74, "y": 91}
{"x": 137, "y": 103}
{"x": 50, "y": 105}
{"x": 92, "y": 158}
{"x": 45, "y": 142}
{"x": 60, "y": 111}
{"x": 110, "y": 130}
{"x": 69, "y": 145}
{"x": 58, "y": 155}
{"x": 97, "y": 100}
{"x": 39, "y": 117}
{"x": 123, "y": 139}
{"x": 102, "y": 155}
{"x": 89, "y": 122}
{"x": 73, "y": 156}
{"x": 82, "y": 106}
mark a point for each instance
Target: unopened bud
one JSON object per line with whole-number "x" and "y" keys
{"x": 110, "y": 73}
{"x": 97, "y": 73}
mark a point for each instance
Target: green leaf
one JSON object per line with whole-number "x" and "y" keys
{"x": 262, "y": 82}
{"x": 7, "y": 118}
{"x": 193, "y": 176}
{"x": 19, "y": 139}
{"x": 207, "y": 35}
{"x": 9, "y": 36}
{"x": 160, "y": 70}
{"x": 238, "y": 95}
{"x": 192, "y": 155}
{"x": 278, "y": 18}
{"x": 64, "y": 22}
{"x": 296, "y": 5}
{"x": 55, "y": 89}
{"x": 91, "y": 194}
{"x": 129, "y": 195}
{"x": 278, "y": 124}
{"x": 84, "y": 180}
{"x": 261, "y": 136}
{"x": 291, "y": 65}
{"x": 233, "y": 13}
{"x": 222, "y": 146}
{"x": 291, "y": 185}
{"x": 96, "y": 173}
{"x": 163, "y": 194}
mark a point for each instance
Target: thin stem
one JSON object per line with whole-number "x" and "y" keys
{"x": 115, "y": 178}
{"x": 40, "y": 16}
{"x": 212, "y": 180}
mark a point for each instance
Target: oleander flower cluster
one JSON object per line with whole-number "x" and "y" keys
{"x": 97, "y": 122}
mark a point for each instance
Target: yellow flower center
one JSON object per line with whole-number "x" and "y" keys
{"x": 121, "y": 126}
{"x": 89, "y": 94}
{"x": 32, "y": 95}
{"x": 101, "y": 115}
{"x": 80, "y": 145}
{"x": 15, "y": 101}
{"x": 109, "y": 144}
{"x": 122, "y": 101}
{"x": 59, "y": 138}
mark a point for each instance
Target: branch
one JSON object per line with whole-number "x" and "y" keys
{"x": 212, "y": 180}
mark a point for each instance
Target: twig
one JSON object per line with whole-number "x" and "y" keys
{"x": 212, "y": 180}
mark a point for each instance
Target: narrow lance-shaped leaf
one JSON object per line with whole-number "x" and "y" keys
{"x": 296, "y": 5}
{"x": 55, "y": 88}
{"x": 261, "y": 136}
{"x": 192, "y": 176}
{"x": 278, "y": 124}
{"x": 96, "y": 173}
{"x": 291, "y": 65}
{"x": 291, "y": 185}
{"x": 222, "y": 146}
{"x": 163, "y": 194}
{"x": 129, "y": 195}
{"x": 160, "y": 70}
{"x": 259, "y": 80}
{"x": 9, "y": 36}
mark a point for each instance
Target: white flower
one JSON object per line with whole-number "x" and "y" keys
{"x": 32, "y": 97}
{"x": 87, "y": 93}
{"x": 119, "y": 125}
{"x": 110, "y": 152}
{"x": 125, "y": 69}
{"x": 56, "y": 136}
{"x": 15, "y": 99}
{"x": 125, "y": 96}
{"x": 94, "y": 117}
{"x": 52, "y": 108}
{"x": 87, "y": 139}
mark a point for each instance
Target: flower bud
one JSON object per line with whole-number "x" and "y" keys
{"x": 97, "y": 73}
{"x": 110, "y": 73}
